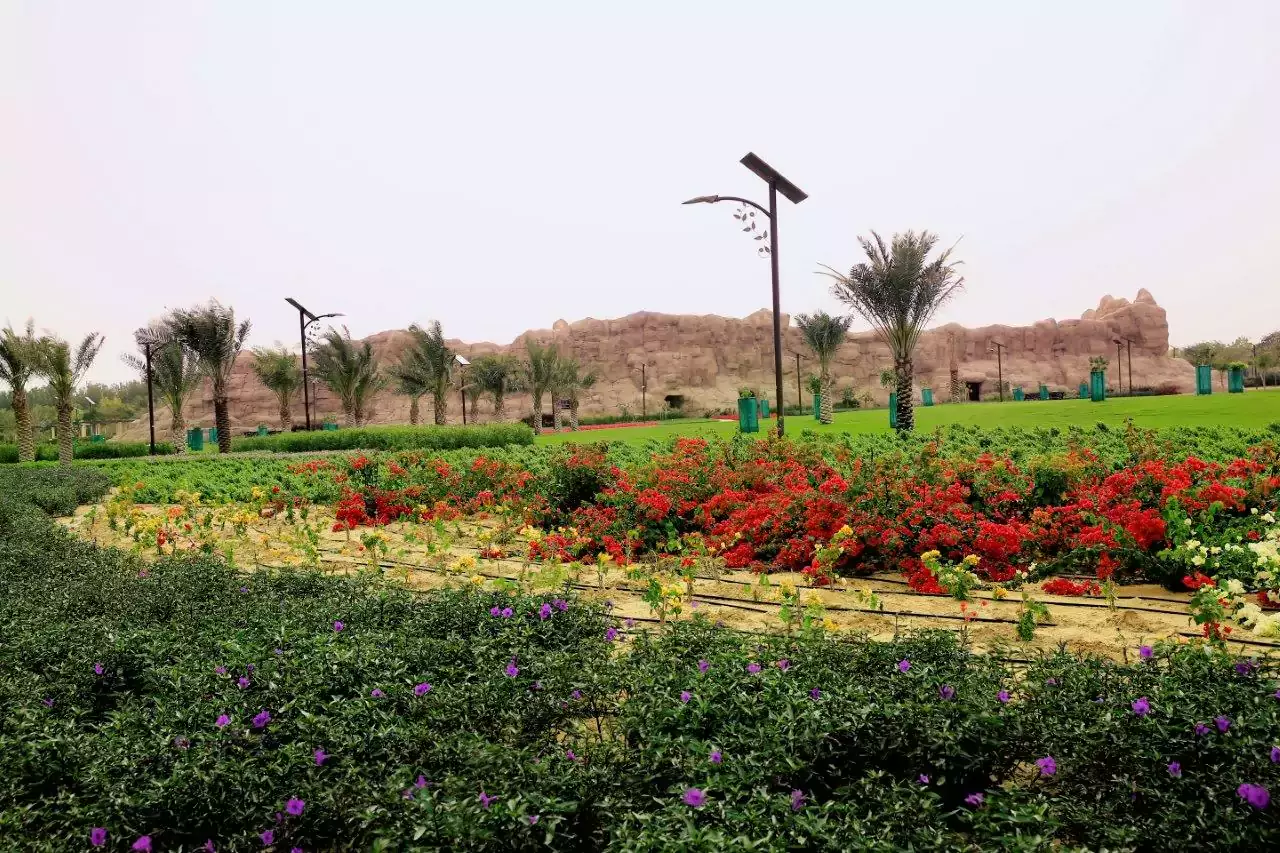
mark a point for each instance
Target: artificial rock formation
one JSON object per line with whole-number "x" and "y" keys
{"x": 700, "y": 362}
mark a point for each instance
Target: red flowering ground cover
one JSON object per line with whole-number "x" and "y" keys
{"x": 770, "y": 505}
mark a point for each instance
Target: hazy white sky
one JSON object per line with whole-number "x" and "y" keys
{"x": 502, "y": 165}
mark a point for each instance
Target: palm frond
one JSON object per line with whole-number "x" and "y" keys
{"x": 210, "y": 331}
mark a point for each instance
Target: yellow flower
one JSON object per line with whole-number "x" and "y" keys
{"x": 830, "y": 624}
{"x": 812, "y": 598}
{"x": 971, "y": 560}
{"x": 788, "y": 588}
{"x": 846, "y": 530}
{"x": 477, "y": 579}
{"x": 930, "y": 555}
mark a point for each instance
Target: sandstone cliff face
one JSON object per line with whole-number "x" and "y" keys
{"x": 704, "y": 360}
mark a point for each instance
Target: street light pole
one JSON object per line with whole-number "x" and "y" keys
{"x": 799, "y": 393}
{"x": 151, "y": 401}
{"x": 999, "y": 366}
{"x": 305, "y": 319}
{"x": 776, "y": 182}
{"x": 644, "y": 392}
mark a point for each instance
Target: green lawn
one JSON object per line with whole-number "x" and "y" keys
{"x": 1251, "y": 409}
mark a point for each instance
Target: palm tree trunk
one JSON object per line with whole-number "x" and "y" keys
{"x": 475, "y": 406}
{"x": 178, "y": 431}
{"x": 286, "y": 417}
{"x": 573, "y": 415}
{"x": 65, "y": 446}
{"x": 824, "y": 410}
{"x": 557, "y": 415}
{"x": 222, "y": 420}
{"x": 349, "y": 418}
{"x": 906, "y": 406}
{"x": 440, "y": 404}
{"x": 956, "y": 389}
{"x": 498, "y": 414}
{"x": 22, "y": 421}
{"x": 414, "y": 412}
{"x": 537, "y": 414}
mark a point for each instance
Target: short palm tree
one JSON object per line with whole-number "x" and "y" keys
{"x": 430, "y": 358}
{"x": 824, "y": 334}
{"x": 278, "y": 370}
{"x": 898, "y": 289}
{"x": 65, "y": 370}
{"x": 212, "y": 333}
{"x": 350, "y": 370}
{"x": 539, "y": 369}
{"x": 18, "y": 354}
{"x": 175, "y": 373}
{"x": 495, "y": 375}
{"x": 411, "y": 380}
{"x": 570, "y": 384}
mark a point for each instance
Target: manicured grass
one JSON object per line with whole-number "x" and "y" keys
{"x": 1251, "y": 410}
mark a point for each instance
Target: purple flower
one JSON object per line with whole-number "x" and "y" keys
{"x": 221, "y": 670}
{"x": 407, "y": 793}
{"x": 904, "y": 665}
{"x": 1051, "y": 682}
{"x": 485, "y": 799}
{"x": 716, "y": 756}
{"x": 784, "y": 664}
{"x": 611, "y": 634}
{"x": 1175, "y": 769}
{"x": 321, "y": 757}
{"x": 208, "y": 845}
{"x": 753, "y": 667}
{"x": 97, "y": 669}
{"x": 249, "y": 667}
{"x": 143, "y": 844}
{"x": 422, "y": 689}
{"x": 797, "y": 800}
{"x": 223, "y": 720}
{"x": 1222, "y": 723}
{"x": 1201, "y": 729}
{"x": 420, "y": 782}
{"x": 1275, "y": 754}
{"x": 1003, "y": 696}
{"x": 261, "y": 719}
{"x": 947, "y": 692}
{"x": 1244, "y": 667}
{"x": 560, "y": 604}
{"x": 295, "y": 806}
{"x": 1047, "y": 765}
{"x": 97, "y": 836}
{"x": 975, "y": 800}
{"x": 244, "y": 589}
{"x": 278, "y": 652}
{"x": 495, "y": 611}
{"x": 577, "y": 694}
{"x": 685, "y": 696}
{"x": 511, "y": 670}
{"x": 48, "y": 703}
{"x": 296, "y": 850}
{"x": 376, "y": 693}
{"x": 1145, "y": 652}
{"x": 1255, "y": 795}
{"x": 815, "y": 693}
{"x": 569, "y": 754}
{"x": 268, "y": 838}
{"x": 631, "y": 623}
{"x": 922, "y": 779}
{"x": 1276, "y": 694}
{"x": 703, "y": 666}
{"x": 243, "y": 682}
{"x": 544, "y": 612}
{"x": 338, "y": 626}
{"x": 507, "y": 613}
{"x": 533, "y": 819}
{"x": 1141, "y": 706}
{"x": 181, "y": 743}
{"x": 694, "y": 797}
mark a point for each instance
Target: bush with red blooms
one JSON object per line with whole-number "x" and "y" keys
{"x": 1065, "y": 586}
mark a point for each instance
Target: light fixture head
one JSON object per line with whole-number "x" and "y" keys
{"x": 703, "y": 199}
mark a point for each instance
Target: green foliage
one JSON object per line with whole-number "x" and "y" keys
{"x": 823, "y": 334}
{"x": 390, "y": 438}
{"x": 277, "y": 368}
{"x": 427, "y": 366}
{"x": 350, "y": 370}
{"x": 56, "y": 491}
{"x": 89, "y": 450}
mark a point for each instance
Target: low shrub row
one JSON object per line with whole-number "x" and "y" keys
{"x": 88, "y": 450}
{"x": 183, "y": 702}
{"x": 390, "y": 438}
{"x": 56, "y": 491}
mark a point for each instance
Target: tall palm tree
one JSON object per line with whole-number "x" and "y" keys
{"x": 18, "y": 355}
{"x": 495, "y": 375}
{"x": 278, "y": 370}
{"x": 431, "y": 359}
{"x": 211, "y": 332}
{"x": 65, "y": 370}
{"x": 350, "y": 370}
{"x": 540, "y": 367}
{"x": 570, "y": 383}
{"x": 175, "y": 373}
{"x": 824, "y": 334}
{"x": 898, "y": 289}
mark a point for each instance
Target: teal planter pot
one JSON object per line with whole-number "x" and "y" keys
{"x": 926, "y": 396}
{"x": 893, "y": 410}
{"x": 748, "y": 414}
{"x": 1204, "y": 379}
{"x": 1097, "y": 386}
{"x": 1044, "y": 392}
{"x": 1019, "y": 395}
{"x": 1235, "y": 381}
{"x": 817, "y": 406}
{"x": 195, "y": 439}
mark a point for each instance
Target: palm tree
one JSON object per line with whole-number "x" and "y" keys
{"x": 495, "y": 375}
{"x": 433, "y": 359}
{"x": 211, "y": 332}
{"x": 18, "y": 355}
{"x": 824, "y": 334}
{"x": 540, "y": 367}
{"x": 413, "y": 382}
{"x": 897, "y": 290}
{"x": 569, "y": 384}
{"x": 175, "y": 373}
{"x": 65, "y": 370}
{"x": 350, "y": 370}
{"x": 278, "y": 370}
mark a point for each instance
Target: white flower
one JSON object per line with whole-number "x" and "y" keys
{"x": 1269, "y": 518}
{"x": 1235, "y": 587}
{"x": 1187, "y": 522}
{"x": 1215, "y": 550}
{"x": 1197, "y": 560}
{"x": 1253, "y": 510}
{"x": 1192, "y": 544}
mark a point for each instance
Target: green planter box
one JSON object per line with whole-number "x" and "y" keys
{"x": 97, "y": 439}
{"x": 1019, "y": 395}
{"x": 213, "y": 435}
{"x": 817, "y": 406}
{"x": 748, "y": 414}
{"x": 1235, "y": 381}
{"x": 763, "y": 410}
{"x": 195, "y": 439}
{"x": 926, "y": 396}
{"x": 1097, "y": 386}
{"x": 1084, "y": 390}
{"x": 329, "y": 426}
{"x": 1044, "y": 392}
{"x": 262, "y": 430}
{"x": 1204, "y": 379}
{"x": 893, "y": 410}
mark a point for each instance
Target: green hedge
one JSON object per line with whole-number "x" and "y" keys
{"x": 88, "y": 450}
{"x": 57, "y": 491}
{"x": 390, "y": 438}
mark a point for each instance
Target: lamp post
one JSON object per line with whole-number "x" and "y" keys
{"x": 644, "y": 388}
{"x": 777, "y": 183}
{"x": 1000, "y": 348}
{"x": 305, "y": 319}
{"x": 463, "y": 364}
{"x": 1120, "y": 370}
{"x": 799, "y": 392}
{"x": 1128, "y": 342}
{"x": 148, "y": 338}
